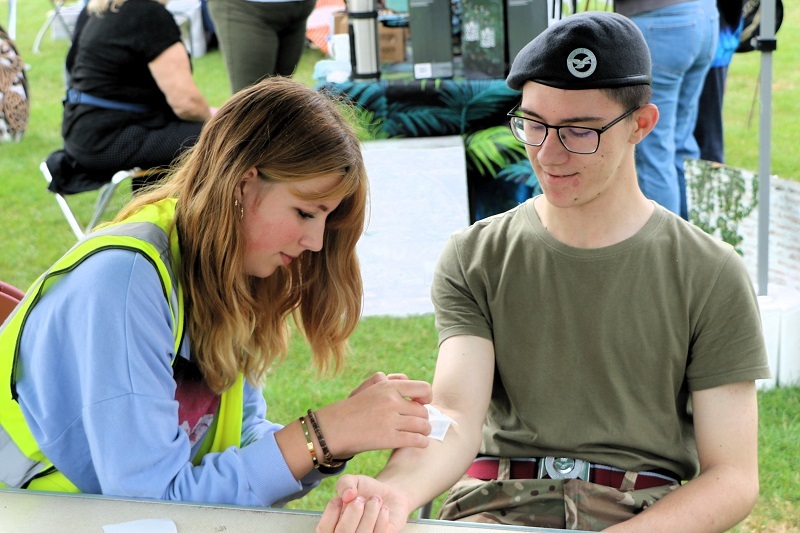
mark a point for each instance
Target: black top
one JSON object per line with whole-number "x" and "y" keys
{"x": 109, "y": 59}
{"x": 730, "y": 11}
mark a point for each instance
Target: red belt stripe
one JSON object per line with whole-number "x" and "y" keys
{"x": 486, "y": 469}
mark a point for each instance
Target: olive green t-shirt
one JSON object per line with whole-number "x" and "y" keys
{"x": 598, "y": 350}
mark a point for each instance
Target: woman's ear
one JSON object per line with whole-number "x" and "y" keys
{"x": 646, "y": 118}
{"x": 246, "y": 184}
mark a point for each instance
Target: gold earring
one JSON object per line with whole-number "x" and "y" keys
{"x": 240, "y": 207}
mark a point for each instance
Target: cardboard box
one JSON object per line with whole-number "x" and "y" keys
{"x": 391, "y": 40}
{"x": 340, "y": 22}
{"x": 391, "y": 44}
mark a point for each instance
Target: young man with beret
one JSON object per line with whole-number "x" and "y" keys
{"x": 598, "y": 354}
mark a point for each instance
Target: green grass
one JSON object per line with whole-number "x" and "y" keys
{"x": 778, "y": 508}
{"x": 34, "y": 234}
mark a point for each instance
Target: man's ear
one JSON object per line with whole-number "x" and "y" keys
{"x": 646, "y": 118}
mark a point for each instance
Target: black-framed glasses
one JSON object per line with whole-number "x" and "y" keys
{"x": 576, "y": 139}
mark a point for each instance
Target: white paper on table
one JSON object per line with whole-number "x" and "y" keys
{"x": 150, "y": 525}
{"x": 440, "y": 422}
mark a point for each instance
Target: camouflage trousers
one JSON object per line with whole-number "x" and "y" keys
{"x": 551, "y": 503}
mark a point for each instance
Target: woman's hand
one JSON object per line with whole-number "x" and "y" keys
{"x": 383, "y": 413}
{"x": 377, "y": 377}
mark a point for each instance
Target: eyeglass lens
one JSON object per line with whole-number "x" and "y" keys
{"x": 574, "y": 139}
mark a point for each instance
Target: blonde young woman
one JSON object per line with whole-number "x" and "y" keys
{"x": 131, "y": 100}
{"x": 135, "y": 362}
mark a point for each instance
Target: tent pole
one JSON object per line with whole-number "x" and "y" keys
{"x": 766, "y": 43}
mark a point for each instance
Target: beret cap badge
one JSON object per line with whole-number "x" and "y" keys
{"x": 581, "y": 62}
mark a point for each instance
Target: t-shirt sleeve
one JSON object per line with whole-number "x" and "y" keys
{"x": 158, "y": 31}
{"x": 728, "y": 344}
{"x": 459, "y": 300}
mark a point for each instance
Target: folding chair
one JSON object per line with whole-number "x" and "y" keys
{"x": 10, "y": 296}
{"x": 65, "y": 177}
{"x": 54, "y": 16}
{"x": 12, "y": 19}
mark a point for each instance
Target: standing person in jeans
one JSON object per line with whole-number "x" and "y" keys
{"x": 597, "y": 352}
{"x": 708, "y": 130}
{"x": 260, "y": 38}
{"x": 682, "y": 37}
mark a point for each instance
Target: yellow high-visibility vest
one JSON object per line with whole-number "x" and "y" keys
{"x": 149, "y": 232}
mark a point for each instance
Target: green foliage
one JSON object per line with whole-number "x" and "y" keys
{"x": 493, "y": 149}
{"x": 521, "y": 172}
{"x": 366, "y": 95}
{"x": 720, "y": 197}
{"x": 478, "y": 101}
{"x": 370, "y": 128}
{"x": 419, "y": 121}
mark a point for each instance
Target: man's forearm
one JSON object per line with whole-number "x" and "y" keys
{"x": 716, "y": 500}
{"x": 422, "y": 474}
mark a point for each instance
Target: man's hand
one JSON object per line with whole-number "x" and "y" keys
{"x": 364, "y": 505}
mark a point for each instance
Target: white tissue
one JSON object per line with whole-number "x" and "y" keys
{"x": 440, "y": 422}
{"x": 151, "y": 525}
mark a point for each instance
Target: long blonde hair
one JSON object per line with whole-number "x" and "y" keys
{"x": 237, "y": 323}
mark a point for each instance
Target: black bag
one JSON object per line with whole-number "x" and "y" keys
{"x": 14, "y": 106}
{"x": 751, "y": 13}
{"x": 69, "y": 178}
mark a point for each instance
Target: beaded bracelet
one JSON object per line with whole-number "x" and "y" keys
{"x": 329, "y": 460}
{"x": 308, "y": 442}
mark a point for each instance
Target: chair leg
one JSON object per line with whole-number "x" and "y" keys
{"x": 57, "y": 5}
{"x": 107, "y": 192}
{"x": 104, "y": 195}
{"x": 62, "y": 203}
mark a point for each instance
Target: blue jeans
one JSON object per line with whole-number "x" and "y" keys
{"x": 682, "y": 40}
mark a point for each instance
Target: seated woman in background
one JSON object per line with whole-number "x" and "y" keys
{"x": 131, "y": 100}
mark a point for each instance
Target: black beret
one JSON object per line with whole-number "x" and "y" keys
{"x": 589, "y": 50}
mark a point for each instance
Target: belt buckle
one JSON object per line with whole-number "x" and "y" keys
{"x": 564, "y": 468}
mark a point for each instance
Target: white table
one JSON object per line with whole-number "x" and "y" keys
{"x": 39, "y": 512}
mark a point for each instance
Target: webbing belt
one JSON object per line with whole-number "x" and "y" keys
{"x": 74, "y": 96}
{"x": 487, "y": 468}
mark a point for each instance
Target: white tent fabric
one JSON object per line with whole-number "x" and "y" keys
{"x": 418, "y": 198}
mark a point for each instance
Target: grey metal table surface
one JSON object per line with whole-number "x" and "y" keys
{"x": 39, "y": 512}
